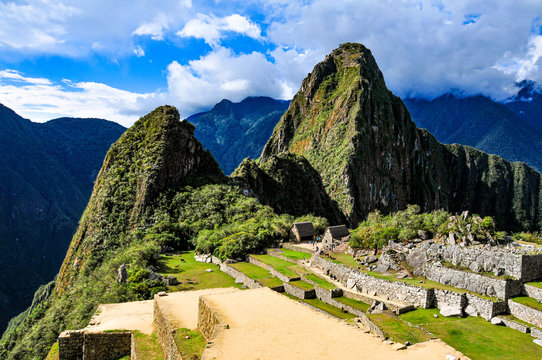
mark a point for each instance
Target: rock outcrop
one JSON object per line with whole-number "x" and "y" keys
{"x": 370, "y": 155}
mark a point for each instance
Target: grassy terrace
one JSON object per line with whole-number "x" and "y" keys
{"x": 320, "y": 282}
{"x": 535, "y": 284}
{"x": 257, "y": 273}
{"x": 347, "y": 260}
{"x": 475, "y": 337}
{"x": 397, "y": 329}
{"x": 148, "y": 347}
{"x": 332, "y": 310}
{"x": 356, "y": 304}
{"x": 190, "y": 343}
{"x": 192, "y": 274}
{"x": 294, "y": 255}
{"x": 282, "y": 266}
{"x": 302, "y": 285}
{"x": 527, "y": 301}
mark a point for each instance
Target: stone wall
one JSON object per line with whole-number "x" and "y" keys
{"x": 210, "y": 322}
{"x": 532, "y": 291}
{"x": 536, "y": 332}
{"x": 372, "y": 327}
{"x": 514, "y": 325}
{"x": 486, "y": 308}
{"x": 78, "y": 344}
{"x": 449, "y": 298}
{"x": 107, "y": 345}
{"x": 531, "y": 267}
{"x": 485, "y": 285}
{"x": 273, "y": 272}
{"x": 390, "y": 290}
{"x": 321, "y": 292}
{"x": 70, "y": 345}
{"x": 237, "y": 275}
{"x": 514, "y": 262}
{"x": 326, "y": 296}
{"x": 525, "y": 313}
{"x": 165, "y": 333}
{"x": 299, "y": 293}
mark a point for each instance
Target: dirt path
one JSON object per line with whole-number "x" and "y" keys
{"x": 267, "y": 325}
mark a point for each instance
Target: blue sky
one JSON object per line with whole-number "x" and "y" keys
{"x": 118, "y": 60}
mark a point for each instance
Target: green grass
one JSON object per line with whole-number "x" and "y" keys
{"x": 257, "y": 273}
{"x": 53, "y": 353}
{"x": 527, "y": 301}
{"x": 148, "y": 347}
{"x": 282, "y": 266}
{"x": 345, "y": 259}
{"x": 295, "y": 255}
{"x": 397, "y": 329}
{"x": 330, "y": 309}
{"x": 302, "y": 285}
{"x": 190, "y": 343}
{"x": 320, "y": 282}
{"x": 535, "y": 284}
{"x": 475, "y": 337}
{"x": 356, "y": 304}
{"x": 191, "y": 273}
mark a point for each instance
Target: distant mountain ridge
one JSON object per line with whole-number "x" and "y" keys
{"x": 234, "y": 131}
{"x": 527, "y": 104}
{"x": 47, "y": 171}
{"x": 479, "y": 122}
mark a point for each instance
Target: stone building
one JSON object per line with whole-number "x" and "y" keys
{"x": 302, "y": 231}
{"x": 335, "y": 234}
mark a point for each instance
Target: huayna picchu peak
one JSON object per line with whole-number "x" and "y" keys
{"x": 370, "y": 155}
{"x": 345, "y": 147}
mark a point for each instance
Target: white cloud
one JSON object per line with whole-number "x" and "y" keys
{"x": 155, "y": 28}
{"x": 212, "y": 29}
{"x": 526, "y": 66}
{"x": 41, "y": 99}
{"x": 221, "y": 75}
{"x": 138, "y": 51}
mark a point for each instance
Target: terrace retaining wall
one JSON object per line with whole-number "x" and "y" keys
{"x": 536, "y": 332}
{"x": 299, "y": 293}
{"x": 390, "y": 290}
{"x": 372, "y": 327}
{"x": 501, "y": 288}
{"x": 79, "y": 344}
{"x": 525, "y": 313}
{"x": 238, "y": 275}
{"x": 533, "y": 291}
{"x": 486, "y": 308}
{"x": 165, "y": 333}
{"x": 449, "y": 298}
{"x": 515, "y": 325}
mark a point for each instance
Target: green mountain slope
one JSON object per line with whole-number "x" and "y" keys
{"x": 234, "y": 131}
{"x": 479, "y": 122}
{"x": 158, "y": 188}
{"x": 45, "y": 181}
{"x": 370, "y": 155}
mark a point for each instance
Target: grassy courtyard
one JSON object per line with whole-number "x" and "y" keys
{"x": 475, "y": 337}
{"x": 193, "y": 275}
{"x": 148, "y": 347}
{"x": 190, "y": 343}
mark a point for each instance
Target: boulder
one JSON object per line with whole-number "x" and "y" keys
{"x": 471, "y": 311}
{"x": 171, "y": 280}
{"x": 122, "y": 274}
{"x": 451, "y": 239}
{"x": 538, "y": 342}
{"x": 377, "y": 307}
{"x": 451, "y": 311}
{"x": 398, "y": 346}
{"x": 496, "y": 321}
{"x": 475, "y": 266}
{"x": 370, "y": 259}
{"x": 205, "y": 258}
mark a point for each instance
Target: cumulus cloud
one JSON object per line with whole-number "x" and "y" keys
{"x": 219, "y": 75}
{"x": 212, "y": 29}
{"x": 423, "y": 47}
{"x": 41, "y": 100}
{"x": 155, "y": 28}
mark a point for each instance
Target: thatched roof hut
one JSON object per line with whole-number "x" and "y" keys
{"x": 302, "y": 231}
{"x": 335, "y": 233}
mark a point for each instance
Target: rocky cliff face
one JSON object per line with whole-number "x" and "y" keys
{"x": 370, "y": 155}
{"x": 289, "y": 184}
{"x": 158, "y": 153}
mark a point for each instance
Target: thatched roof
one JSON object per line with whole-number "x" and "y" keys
{"x": 338, "y": 231}
{"x": 304, "y": 228}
